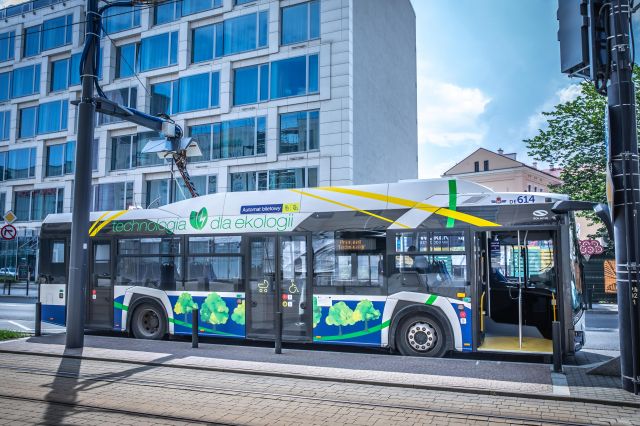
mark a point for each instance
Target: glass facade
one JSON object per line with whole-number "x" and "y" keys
{"x": 194, "y": 6}
{"x": 120, "y": 18}
{"x": 27, "y": 122}
{"x": 74, "y": 73}
{"x": 300, "y": 22}
{"x": 26, "y": 81}
{"x": 167, "y": 12}
{"x": 299, "y": 131}
{"x": 38, "y": 203}
{"x": 112, "y": 196}
{"x": 59, "y": 75}
{"x": 158, "y": 189}
{"x": 192, "y": 93}
{"x": 126, "y": 96}
{"x": 20, "y": 164}
{"x": 5, "y": 86}
{"x": 126, "y": 60}
{"x": 7, "y": 45}
{"x": 274, "y": 179}
{"x": 159, "y": 51}
{"x": 31, "y": 41}
{"x": 287, "y": 78}
{"x": 206, "y": 43}
{"x": 126, "y": 151}
{"x": 60, "y": 159}
{"x": 230, "y": 139}
{"x": 52, "y": 116}
{"x": 5, "y": 125}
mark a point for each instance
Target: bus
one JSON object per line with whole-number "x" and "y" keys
{"x": 421, "y": 267}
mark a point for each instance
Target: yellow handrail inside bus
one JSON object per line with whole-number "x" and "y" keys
{"x": 482, "y": 312}
{"x": 553, "y": 303}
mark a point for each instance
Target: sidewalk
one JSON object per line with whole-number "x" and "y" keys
{"x": 529, "y": 380}
{"x": 605, "y": 308}
{"x": 18, "y": 289}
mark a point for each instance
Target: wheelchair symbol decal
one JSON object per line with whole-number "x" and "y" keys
{"x": 293, "y": 288}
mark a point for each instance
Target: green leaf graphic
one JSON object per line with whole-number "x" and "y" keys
{"x": 199, "y": 219}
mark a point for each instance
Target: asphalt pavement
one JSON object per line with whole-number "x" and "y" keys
{"x": 19, "y": 315}
{"x": 602, "y": 329}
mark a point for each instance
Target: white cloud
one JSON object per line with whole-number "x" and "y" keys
{"x": 538, "y": 121}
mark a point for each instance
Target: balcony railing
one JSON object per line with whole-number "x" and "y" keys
{"x": 26, "y": 7}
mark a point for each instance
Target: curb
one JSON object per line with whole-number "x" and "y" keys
{"x": 473, "y": 391}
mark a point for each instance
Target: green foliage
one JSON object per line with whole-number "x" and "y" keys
{"x": 214, "y": 310}
{"x": 185, "y": 304}
{"x": 574, "y": 141}
{"x": 340, "y": 314}
{"x": 365, "y": 312}
{"x": 238, "y": 314}
{"x": 10, "y": 334}
{"x": 317, "y": 312}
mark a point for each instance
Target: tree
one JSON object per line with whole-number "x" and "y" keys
{"x": 340, "y": 314}
{"x": 214, "y": 310}
{"x": 238, "y": 314}
{"x": 365, "y": 312}
{"x": 574, "y": 141}
{"x": 185, "y": 305}
{"x": 317, "y": 312}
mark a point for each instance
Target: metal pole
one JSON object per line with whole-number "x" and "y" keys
{"x": 171, "y": 189}
{"x": 82, "y": 190}
{"x": 279, "y": 329}
{"x": 625, "y": 172}
{"x": 194, "y": 327}
{"x": 38, "y": 325}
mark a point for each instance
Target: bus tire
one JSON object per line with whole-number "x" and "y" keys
{"x": 149, "y": 322}
{"x": 422, "y": 335}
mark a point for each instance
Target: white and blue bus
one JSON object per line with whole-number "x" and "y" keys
{"x": 421, "y": 267}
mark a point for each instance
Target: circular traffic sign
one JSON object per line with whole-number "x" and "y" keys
{"x": 8, "y": 232}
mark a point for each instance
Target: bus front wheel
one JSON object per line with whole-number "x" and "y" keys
{"x": 422, "y": 335}
{"x": 148, "y": 322}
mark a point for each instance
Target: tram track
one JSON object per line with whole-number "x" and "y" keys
{"x": 474, "y": 415}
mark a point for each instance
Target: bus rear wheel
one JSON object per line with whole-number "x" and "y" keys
{"x": 148, "y": 322}
{"x": 422, "y": 335}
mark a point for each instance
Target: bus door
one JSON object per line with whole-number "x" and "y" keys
{"x": 279, "y": 281}
{"x": 100, "y": 291}
{"x": 520, "y": 300}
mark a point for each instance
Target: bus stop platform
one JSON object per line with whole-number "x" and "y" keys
{"x": 474, "y": 374}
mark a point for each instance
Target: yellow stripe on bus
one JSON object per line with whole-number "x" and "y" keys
{"x": 106, "y": 222}
{"x": 97, "y": 222}
{"x": 318, "y": 197}
{"x": 467, "y": 218}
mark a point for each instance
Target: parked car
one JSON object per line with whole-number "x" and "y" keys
{"x": 8, "y": 273}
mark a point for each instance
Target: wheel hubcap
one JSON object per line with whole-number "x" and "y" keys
{"x": 422, "y": 336}
{"x": 150, "y": 323}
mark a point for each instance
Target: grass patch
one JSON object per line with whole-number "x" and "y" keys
{"x": 10, "y": 334}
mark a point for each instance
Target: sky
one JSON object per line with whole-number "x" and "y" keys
{"x": 486, "y": 70}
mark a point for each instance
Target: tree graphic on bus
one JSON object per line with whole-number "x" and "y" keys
{"x": 341, "y": 314}
{"x": 238, "y": 314}
{"x": 185, "y": 305}
{"x": 365, "y": 312}
{"x": 214, "y": 310}
{"x": 317, "y": 312}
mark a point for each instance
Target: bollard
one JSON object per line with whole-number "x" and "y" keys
{"x": 38, "y": 325}
{"x": 557, "y": 347}
{"x": 279, "y": 331}
{"x": 194, "y": 328}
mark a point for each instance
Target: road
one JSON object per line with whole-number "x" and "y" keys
{"x": 602, "y": 331}
{"x": 20, "y": 316}
{"x": 51, "y": 390}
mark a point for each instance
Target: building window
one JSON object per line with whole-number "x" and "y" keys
{"x": 159, "y": 51}
{"x": 5, "y": 125}
{"x": 288, "y": 77}
{"x": 192, "y": 93}
{"x": 126, "y": 97}
{"x": 31, "y": 40}
{"x": 95, "y": 150}
{"x": 194, "y": 6}
{"x": 59, "y": 75}
{"x": 126, "y": 151}
{"x": 239, "y": 2}
{"x": 274, "y": 179}
{"x": 28, "y": 119}
{"x": 26, "y": 81}
{"x": 37, "y": 204}
{"x": 52, "y": 116}
{"x": 207, "y": 43}
{"x": 57, "y": 32}
{"x": 20, "y": 164}
{"x": 60, "y": 159}
{"x": 5, "y": 86}
{"x": 3, "y": 201}
{"x": 158, "y": 189}
{"x": 126, "y": 60}
{"x": 166, "y": 12}
{"x": 7, "y": 43}
{"x": 476, "y": 166}
{"x": 112, "y": 196}
{"x": 300, "y": 22}
{"x": 230, "y": 139}
{"x": 116, "y": 19}
{"x": 486, "y": 165}
{"x": 299, "y": 131}
{"x": 74, "y": 75}
{"x": 528, "y": 188}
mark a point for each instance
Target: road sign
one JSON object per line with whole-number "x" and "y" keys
{"x": 10, "y": 217}
{"x": 8, "y": 232}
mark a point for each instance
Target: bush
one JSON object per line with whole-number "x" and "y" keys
{"x": 10, "y": 334}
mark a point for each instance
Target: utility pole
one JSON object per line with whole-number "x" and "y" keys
{"x": 78, "y": 268}
{"x": 625, "y": 178}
